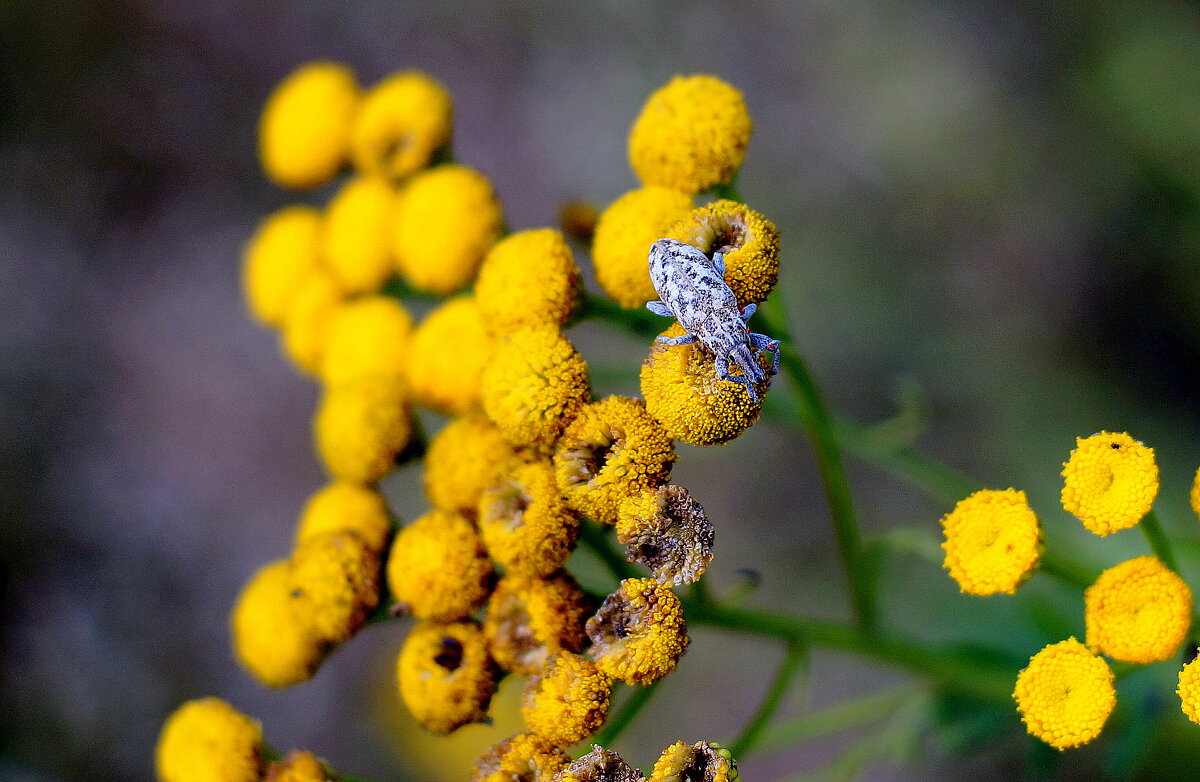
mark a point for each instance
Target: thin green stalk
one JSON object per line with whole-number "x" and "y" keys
{"x": 795, "y": 658}
{"x": 596, "y": 538}
{"x": 906, "y": 463}
{"x": 1070, "y": 573}
{"x": 1159, "y": 543}
{"x": 625, "y": 716}
{"x": 836, "y": 718}
{"x": 990, "y": 681}
{"x": 817, "y": 422}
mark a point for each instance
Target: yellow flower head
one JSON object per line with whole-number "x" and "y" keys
{"x": 704, "y": 761}
{"x": 526, "y": 524}
{"x": 567, "y": 701}
{"x": 599, "y": 765}
{"x": 691, "y": 134}
{"x": 1189, "y": 690}
{"x": 361, "y": 427}
{"x": 304, "y": 133}
{"x": 639, "y": 634}
{"x": 684, "y": 394}
{"x": 306, "y": 319}
{"x": 280, "y": 256}
{"x": 445, "y": 675}
{"x": 356, "y": 239}
{"x": 528, "y": 278}
{"x": 1065, "y": 694}
{"x": 438, "y": 569}
{"x": 667, "y": 531}
{"x": 530, "y": 619}
{"x": 1111, "y": 481}
{"x": 403, "y": 121}
{"x": 342, "y": 506}
{"x": 335, "y": 583}
{"x": 621, "y": 246}
{"x": 748, "y": 241}
{"x": 1138, "y": 611}
{"x": 467, "y": 456}
{"x": 520, "y": 758}
{"x": 270, "y": 639}
{"x": 449, "y": 351}
{"x": 299, "y": 766}
{"x": 367, "y": 336}
{"x": 533, "y": 386}
{"x": 207, "y": 740}
{"x": 446, "y": 218}
{"x": 992, "y": 542}
{"x": 612, "y": 450}
{"x": 1194, "y": 495}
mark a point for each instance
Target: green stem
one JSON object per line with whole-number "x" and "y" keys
{"x": 596, "y": 539}
{"x": 793, "y": 660}
{"x": 817, "y": 422}
{"x": 1159, "y": 543}
{"x": 1064, "y": 570}
{"x": 641, "y": 322}
{"x": 625, "y": 716}
{"x": 901, "y": 461}
{"x": 989, "y": 681}
{"x": 836, "y": 718}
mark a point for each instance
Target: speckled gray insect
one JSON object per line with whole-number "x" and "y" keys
{"x": 693, "y": 290}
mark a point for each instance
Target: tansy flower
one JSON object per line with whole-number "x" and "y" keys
{"x": 533, "y": 386}
{"x": 270, "y": 639}
{"x": 567, "y": 701}
{"x": 992, "y": 542}
{"x": 1189, "y": 690}
{"x": 299, "y": 766}
{"x": 1111, "y": 481}
{"x": 356, "y": 237}
{"x": 612, "y": 450}
{"x": 1194, "y": 495}
{"x": 438, "y": 569}
{"x": 446, "y": 359}
{"x": 527, "y": 525}
{"x": 623, "y": 237}
{"x": 639, "y": 634}
{"x": 361, "y": 427}
{"x": 599, "y": 765}
{"x": 367, "y": 336}
{"x": 207, "y": 740}
{"x": 341, "y": 506}
{"x": 445, "y": 676}
{"x": 304, "y": 133}
{"x": 684, "y": 394}
{"x": 306, "y": 318}
{"x": 748, "y": 241}
{"x": 530, "y": 619}
{"x": 467, "y": 456}
{"x": 282, "y": 254}
{"x": 1138, "y": 611}
{"x": 704, "y": 761}
{"x": 690, "y": 135}
{"x": 446, "y": 218}
{"x": 335, "y": 583}
{"x": 403, "y": 121}
{"x": 577, "y": 219}
{"x": 1065, "y": 694}
{"x": 520, "y": 758}
{"x": 528, "y": 278}
{"x": 667, "y": 531}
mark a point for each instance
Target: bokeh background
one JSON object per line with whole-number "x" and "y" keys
{"x": 991, "y": 222}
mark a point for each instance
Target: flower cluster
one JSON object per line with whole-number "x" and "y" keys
{"x": 528, "y": 456}
{"x": 1138, "y": 611}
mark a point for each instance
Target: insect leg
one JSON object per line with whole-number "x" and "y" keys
{"x": 682, "y": 339}
{"x": 748, "y": 311}
{"x": 718, "y": 262}
{"x": 658, "y": 308}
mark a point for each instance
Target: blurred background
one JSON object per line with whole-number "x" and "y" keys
{"x": 991, "y": 222}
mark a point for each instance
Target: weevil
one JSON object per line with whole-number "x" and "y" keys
{"x": 692, "y": 289}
